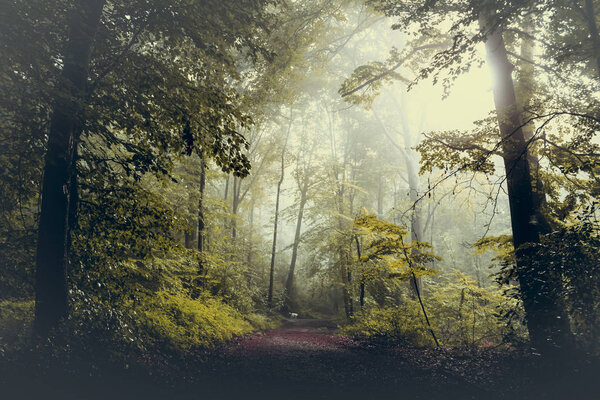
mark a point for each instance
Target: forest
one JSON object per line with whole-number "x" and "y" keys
{"x": 300, "y": 199}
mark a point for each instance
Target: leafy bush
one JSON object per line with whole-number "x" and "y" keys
{"x": 467, "y": 315}
{"x": 395, "y": 325}
{"x": 461, "y": 313}
{"x": 181, "y": 323}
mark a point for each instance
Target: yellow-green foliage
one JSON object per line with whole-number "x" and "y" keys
{"x": 404, "y": 323}
{"x": 388, "y": 245}
{"x": 461, "y": 314}
{"x": 16, "y": 317}
{"x": 467, "y": 315}
{"x": 181, "y": 323}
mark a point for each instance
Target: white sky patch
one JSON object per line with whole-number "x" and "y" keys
{"x": 470, "y": 99}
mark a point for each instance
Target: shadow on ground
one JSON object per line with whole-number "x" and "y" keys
{"x": 304, "y": 359}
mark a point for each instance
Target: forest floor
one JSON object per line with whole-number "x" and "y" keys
{"x": 305, "y": 359}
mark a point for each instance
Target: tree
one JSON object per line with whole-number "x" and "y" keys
{"x": 108, "y": 120}
{"x": 201, "y": 222}
{"x": 302, "y": 175}
{"x": 276, "y": 217}
{"x": 546, "y": 319}
{"x": 65, "y": 129}
{"x": 547, "y": 322}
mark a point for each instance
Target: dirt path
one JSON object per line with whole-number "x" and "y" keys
{"x": 304, "y": 335}
{"x": 304, "y": 359}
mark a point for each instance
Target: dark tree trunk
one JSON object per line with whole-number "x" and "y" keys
{"x": 348, "y": 306}
{"x": 546, "y": 321}
{"x": 201, "y": 222}
{"x": 188, "y": 241}
{"x": 251, "y": 231}
{"x": 65, "y": 128}
{"x": 237, "y": 182}
{"x": 362, "y": 280}
{"x": 344, "y": 258}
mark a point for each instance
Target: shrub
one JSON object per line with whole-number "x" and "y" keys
{"x": 461, "y": 313}
{"x": 181, "y": 323}
{"x": 467, "y": 315}
{"x": 395, "y": 325}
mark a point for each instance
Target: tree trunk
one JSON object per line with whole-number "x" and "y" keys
{"x": 548, "y": 327}
{"x": 251, "y": 231}
{"x": 289, "y": 284}
{"x": 348, "y": 307}
{"x": 65, "y": 128}
{"x": 339, "y": 202}
{"x": 234, "y": 205}
{"x": 362, "y": 280}
{"x": 274, "y": 247}
{"x": 187, "y": 240}
{"x": 201, "y": 222}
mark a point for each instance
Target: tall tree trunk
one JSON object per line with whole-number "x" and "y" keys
{"x": 339, "y": 202}
{"x": 274, "y": 247}
{"x": 548, "y": 327}
{"x": 344, "y": 260}
{"x": 289, "y": 284}
{"x": 251, "y": 230}
{"x": 187, "y": 240}
{"x": 362, "y": 279}
{"x": 65, "y": 128}
{"x": 201, "y": 222}
{"x": 348, "y": 306}
{"x": 237, "y": 182}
